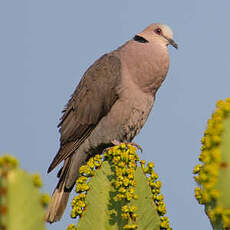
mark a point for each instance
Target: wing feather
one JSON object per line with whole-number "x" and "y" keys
{"x": 91, "y": 100}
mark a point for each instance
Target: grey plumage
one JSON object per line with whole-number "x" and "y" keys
{"x": 111, "y": 102}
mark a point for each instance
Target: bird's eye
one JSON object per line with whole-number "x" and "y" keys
{"x": 158, "y": 31}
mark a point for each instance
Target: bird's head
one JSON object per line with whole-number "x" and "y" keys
{"x": 157, "y": 32}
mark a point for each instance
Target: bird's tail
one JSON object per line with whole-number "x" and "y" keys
{"x": 59, "y": 197}
{"x": 57, "y": 205}
{"x": 67, "y": 178}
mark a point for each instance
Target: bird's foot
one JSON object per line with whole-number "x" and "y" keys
{"x": 136, "y": 145}
{"x": 116, "y": 142}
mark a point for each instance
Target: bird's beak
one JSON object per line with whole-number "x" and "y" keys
{"x": 172, "y": 42}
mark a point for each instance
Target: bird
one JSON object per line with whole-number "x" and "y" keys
{"x": 110, "y": 105}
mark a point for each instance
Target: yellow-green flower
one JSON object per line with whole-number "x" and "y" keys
{"x": 8, "y": 161}
{"x": 37, "y": 180}
{"x": 45, "y": 199}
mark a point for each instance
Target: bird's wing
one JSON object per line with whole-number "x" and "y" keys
{"x": 92, "y": 99}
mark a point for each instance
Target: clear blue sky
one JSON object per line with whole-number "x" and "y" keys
{"x": 45, "y": 47}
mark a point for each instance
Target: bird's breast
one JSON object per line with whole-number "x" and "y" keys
{"x": 137, "y": 106}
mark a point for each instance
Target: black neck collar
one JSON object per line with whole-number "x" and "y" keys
{"x": 138, "y": 38}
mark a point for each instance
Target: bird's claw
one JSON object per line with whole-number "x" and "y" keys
{"x": 136, "y": 145}
{"x": 115, "y": 142}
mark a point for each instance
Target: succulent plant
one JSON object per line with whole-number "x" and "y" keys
{"x": 21, "y": 203}
{"x": 118, "y": 191}
{"x": 213, "y": 174}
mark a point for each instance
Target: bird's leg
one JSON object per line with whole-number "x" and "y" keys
{"x": 116, "y": 142}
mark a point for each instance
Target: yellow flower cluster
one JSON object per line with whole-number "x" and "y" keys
{"x": 86, "y": 171}
{"x": 165, "y": 223}
{"x": 78, "y": 205}
{"x": 37, "y": 180}
{"x": 8, "y": 161}
{"x": 130, "y": 226}
{"x": 207, "y": 173}
{"x": 158, "y": 198}
{"x": 124, "y": 160}
{"x": 45, "y": 199}
{"x": 128, "y": 213}
{"x": 71, "y": 227}
{"x": 219, "y": 213}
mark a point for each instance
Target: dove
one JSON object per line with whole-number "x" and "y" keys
{"x": 110, "y": 105}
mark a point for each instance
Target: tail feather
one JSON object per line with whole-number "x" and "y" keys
{"x": 60, "y": 196}
{"x": 57, "y": 205}
{"x": 67, "y": 178}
